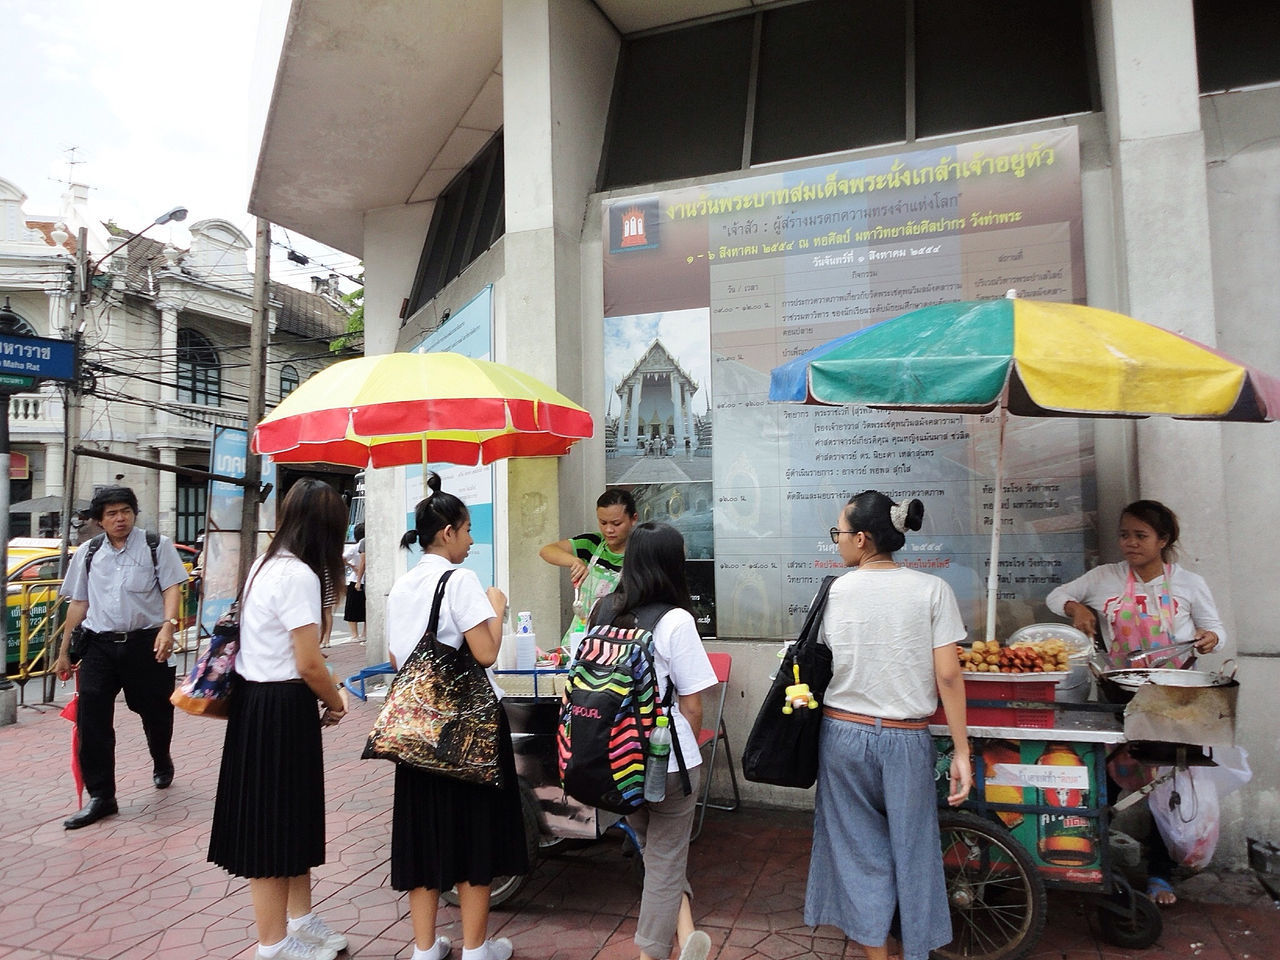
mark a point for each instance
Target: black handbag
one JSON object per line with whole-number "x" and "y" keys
{"x": 783, "y": 747}
{"x": 441, "y": 714}
{"x": 75, "y": 645}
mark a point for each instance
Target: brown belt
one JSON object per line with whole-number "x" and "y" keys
{"x": 835, "y": 714}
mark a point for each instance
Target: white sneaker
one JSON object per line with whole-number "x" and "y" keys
{"x": 313, "y": 929}
{"x": 496, "y": 948}
{"x": 697, "y": 947}
{"x": 438, "y": 950}
{"x": 295, "y": 949}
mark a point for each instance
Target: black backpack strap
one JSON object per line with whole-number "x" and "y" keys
{"x": 153, "y": 541}
{"x": 92, "y": 547}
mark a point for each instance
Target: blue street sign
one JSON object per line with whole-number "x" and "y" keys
{"x": 38, "y": 357}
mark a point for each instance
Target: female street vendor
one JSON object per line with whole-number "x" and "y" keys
{"x": 1147, "y": 601}
{"x": 594, "y": 560}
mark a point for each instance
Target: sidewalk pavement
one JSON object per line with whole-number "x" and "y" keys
{"x": 137, "y": 885}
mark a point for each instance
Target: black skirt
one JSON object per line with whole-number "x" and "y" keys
{"x": 268, "y": 816}
{"x": 353, "y": 612}
{"x": 445, "y": 831}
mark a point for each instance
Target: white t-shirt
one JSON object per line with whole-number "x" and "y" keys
{"x": 351, "y": 561}
{"x": 882, "y": 627}
{"x": 284, "y": 594}
{"x": 1103, "y": 587}
{"x": 678, "y": 653}
{"x": 409, "y": 607}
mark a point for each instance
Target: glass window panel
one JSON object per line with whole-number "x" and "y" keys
{"x": 832, "y": 77}
{"x": 681, "y": 105}
{"x": 981, "y": 64}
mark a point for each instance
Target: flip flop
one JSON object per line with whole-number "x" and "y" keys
{"x": 1161, "y": 892}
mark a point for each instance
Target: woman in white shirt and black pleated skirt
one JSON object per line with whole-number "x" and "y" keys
{"x": 268, "y": 817}
{"x": 445, "y": 832}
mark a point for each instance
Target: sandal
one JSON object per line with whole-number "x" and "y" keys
{"x": 1161, "y": 892}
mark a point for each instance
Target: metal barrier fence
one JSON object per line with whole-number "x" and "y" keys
{"x": 34, "y": 616}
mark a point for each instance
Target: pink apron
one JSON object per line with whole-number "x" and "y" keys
{"x": 1133, "y": 630}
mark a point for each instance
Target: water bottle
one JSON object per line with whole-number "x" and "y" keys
{"x": 655, "y": 767}
{"x": 526, "y": 642}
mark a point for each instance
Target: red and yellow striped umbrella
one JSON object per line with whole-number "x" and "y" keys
{"x": 407, "y": 408}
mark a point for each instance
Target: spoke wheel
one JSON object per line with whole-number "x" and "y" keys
{"x": 996, "y": 896}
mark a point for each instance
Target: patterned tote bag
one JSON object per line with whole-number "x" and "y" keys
{"x": 441, "y": 713}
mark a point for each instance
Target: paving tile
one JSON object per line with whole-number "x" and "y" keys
{"x": 137, "y": 886}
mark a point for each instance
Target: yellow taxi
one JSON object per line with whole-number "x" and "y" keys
{"x": 33, "y": 583}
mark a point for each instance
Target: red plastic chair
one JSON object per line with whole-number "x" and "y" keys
{"x": 721, "y": 663}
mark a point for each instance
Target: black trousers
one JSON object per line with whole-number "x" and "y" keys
{"x": 106, "y": 668}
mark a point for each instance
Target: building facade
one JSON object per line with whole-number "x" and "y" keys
{"x": 504, "y": 136}
{"x": 164, "y": 356}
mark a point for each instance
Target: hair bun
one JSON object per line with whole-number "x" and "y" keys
{"x": 915, "y": 514}
{"x": 907, "y": 515}
{"x": 433, "y": 483}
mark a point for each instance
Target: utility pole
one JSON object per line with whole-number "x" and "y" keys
{"x": 71, "y": 392}
{"x": 257, "y": 396}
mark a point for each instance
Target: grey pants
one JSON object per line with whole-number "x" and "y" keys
{"x": 663, "y": 829}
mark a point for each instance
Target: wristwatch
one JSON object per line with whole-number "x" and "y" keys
{"x": 172, "y": 620}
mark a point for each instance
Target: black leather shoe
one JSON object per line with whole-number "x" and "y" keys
{"x": 98, "y": 807}
{"x": 162, "y": 777}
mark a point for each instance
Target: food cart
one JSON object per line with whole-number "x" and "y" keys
{"x": 1038, "y": 816}
{"x": 552, "y": 818}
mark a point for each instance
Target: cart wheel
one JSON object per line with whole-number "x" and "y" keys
{"x": 996, "y": 896}
{"x": 1129, "y": 919}
{"x": 505, "y": 887}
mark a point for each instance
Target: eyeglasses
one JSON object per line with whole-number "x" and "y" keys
{"x": 835, "y": 534}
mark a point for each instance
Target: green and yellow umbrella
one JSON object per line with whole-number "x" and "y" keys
{"x": 397, "y": 409}
{"x": 1034, "y": 358}
{"x": 1030, "y": 358}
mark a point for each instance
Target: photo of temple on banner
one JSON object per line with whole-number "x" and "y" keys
{"x": 657, "y": 383}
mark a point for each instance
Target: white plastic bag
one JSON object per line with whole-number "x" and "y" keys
{"x": 1232, "y": 771}
{"x": 1185, "y": 809}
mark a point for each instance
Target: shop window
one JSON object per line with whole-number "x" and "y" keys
{"x": 1237, "y": 43}
{"x": 288, "y": 380}
{"x": 199, "y": 370}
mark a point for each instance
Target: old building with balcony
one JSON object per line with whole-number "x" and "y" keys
{"x": 164, "y": 355}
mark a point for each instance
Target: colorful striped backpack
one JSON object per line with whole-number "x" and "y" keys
{"x": 611, "y": 704}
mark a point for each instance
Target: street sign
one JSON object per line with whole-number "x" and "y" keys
{"x": 38, "y": 358}
{"x": 10, "y": 382}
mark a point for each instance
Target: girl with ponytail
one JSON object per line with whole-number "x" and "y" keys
{"x": 445, "y": 832}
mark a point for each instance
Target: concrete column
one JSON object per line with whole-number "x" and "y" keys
{"x": 392, "y": 245}
{"x": 54, "y": 467}
{"x": 561, "y": 53}
{"x": 166, "y": 520}
{"x": 167, "y": 372}
{"x": 1147, "y": 67}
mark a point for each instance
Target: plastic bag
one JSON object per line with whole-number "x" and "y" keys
{"x": 1232, "y": 771}
{"x": 1186, "y": 811}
